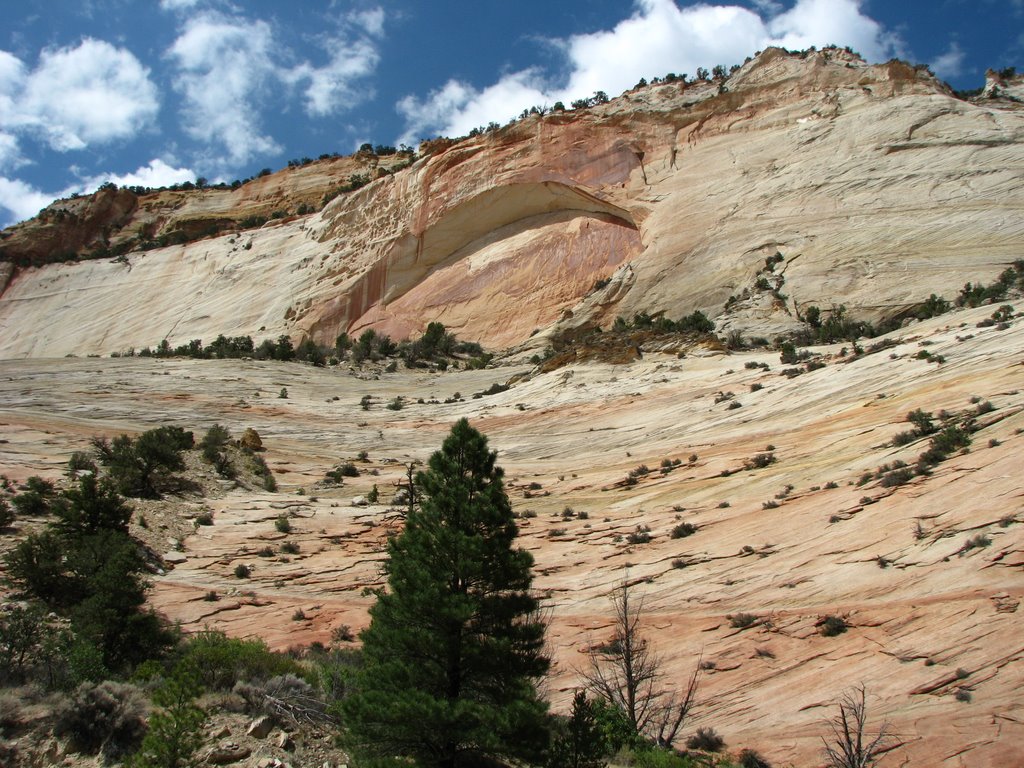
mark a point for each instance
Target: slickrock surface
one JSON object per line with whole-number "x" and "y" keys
{"x": 928, "y": 615}
{"x": 875, "y": 184}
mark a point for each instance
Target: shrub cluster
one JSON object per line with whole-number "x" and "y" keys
{"x": 683, "y": 530}
{"x": 976, "y": 295}
{"x": 642, "y": 535}
{"x": 759, "y": 461}
{"x": 213, "y": 447}
{"x": 86, "y": 569}
{"x": 221, "y": 661}
{"x": 141, "y": 466}
{"x": 696, "y": 322}
{"x": 106, "y": 718}
{"x": 830, "y": 626}
{"x": 945, "y": 441}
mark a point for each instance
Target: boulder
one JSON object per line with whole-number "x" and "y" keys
{"x": 261, "y": 727}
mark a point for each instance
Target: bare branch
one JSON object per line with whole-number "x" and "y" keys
{"x": 627, "y": 674}
{"x": 850, "y": 746}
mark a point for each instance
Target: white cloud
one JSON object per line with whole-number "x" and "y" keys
{"x": 22, "y": 200}
{"x": 226, "y": 66}
{"x": 370, "y": 20}
{"x": 949, "y": 64}
{"x": 10, "y": 152}
{"x": 93, "y": 93}
{"x": 156, "y": 173}
{"x": 659, "y": 37}
{"x": 354, "y": 54}
{"x": 337, "y": 85}
{"x": 178, "y": 5}
{"x": 12, "y": 78}
{"x": 838, "y": 22}
{"x": 461, "y": 108}
{"x": 229, "y": 67}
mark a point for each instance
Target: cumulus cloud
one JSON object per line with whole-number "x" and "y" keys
{"x": 838, "y": 22}
{"x": 21, "y": 200}
{"x": 949, "y": 64}
{"x": 460, "y": 107}
{"x": 225, "y": 67}
{"x": 354, "y": 55}
{"x": 157, "y": 173}
{"x": 229, "y": 67}
{"x": 92, "y": 93}
{"x": 659, "y": 37}
{"x": 338, "y": 85}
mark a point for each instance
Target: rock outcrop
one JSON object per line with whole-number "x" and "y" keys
{"x": 876, "y": 185}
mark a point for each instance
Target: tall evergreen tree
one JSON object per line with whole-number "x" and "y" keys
{"x": 455, "y": 643}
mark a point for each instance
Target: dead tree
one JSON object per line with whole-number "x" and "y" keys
{"x": 850, "y": 745}
{"x": 628, "y": 675}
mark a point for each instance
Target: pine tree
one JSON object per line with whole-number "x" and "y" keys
{"x": 455, "y": 643}
{"x": 175, "y": 729}
{"x": 581, "y": 743}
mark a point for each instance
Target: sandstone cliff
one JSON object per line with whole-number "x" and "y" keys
{"x": 875, "y": 184}
{"x": 926, "y": 574}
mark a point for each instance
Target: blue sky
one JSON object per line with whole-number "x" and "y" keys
{"x": 163, "y": 91}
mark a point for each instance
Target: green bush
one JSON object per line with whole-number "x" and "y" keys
{"x": 221, "y": 661}
{"x": 23, "y": 630}
{"x": 976, "y": 295}
{"x": 642, "y": 535}
{"x": 31, "y": 504}
{"x": 80, "y": 462}
{"x": 788, "y": 354}
{"x": 175, "y": 729}
{"x": 282, "y": 524}
{"x": 649, "y": 756}
{"x": 96, "y": 580}
{"x": 93, "y": 506}
{"x": 216, "y": 437}
{"x": 140, "y": 466}
{"x": 260, "y": 468}
{"x": 933, "y": 306}
{"x": 949, "y": 440}
{"x": 212, "y": 445}
{"x": 340, "y": 472}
